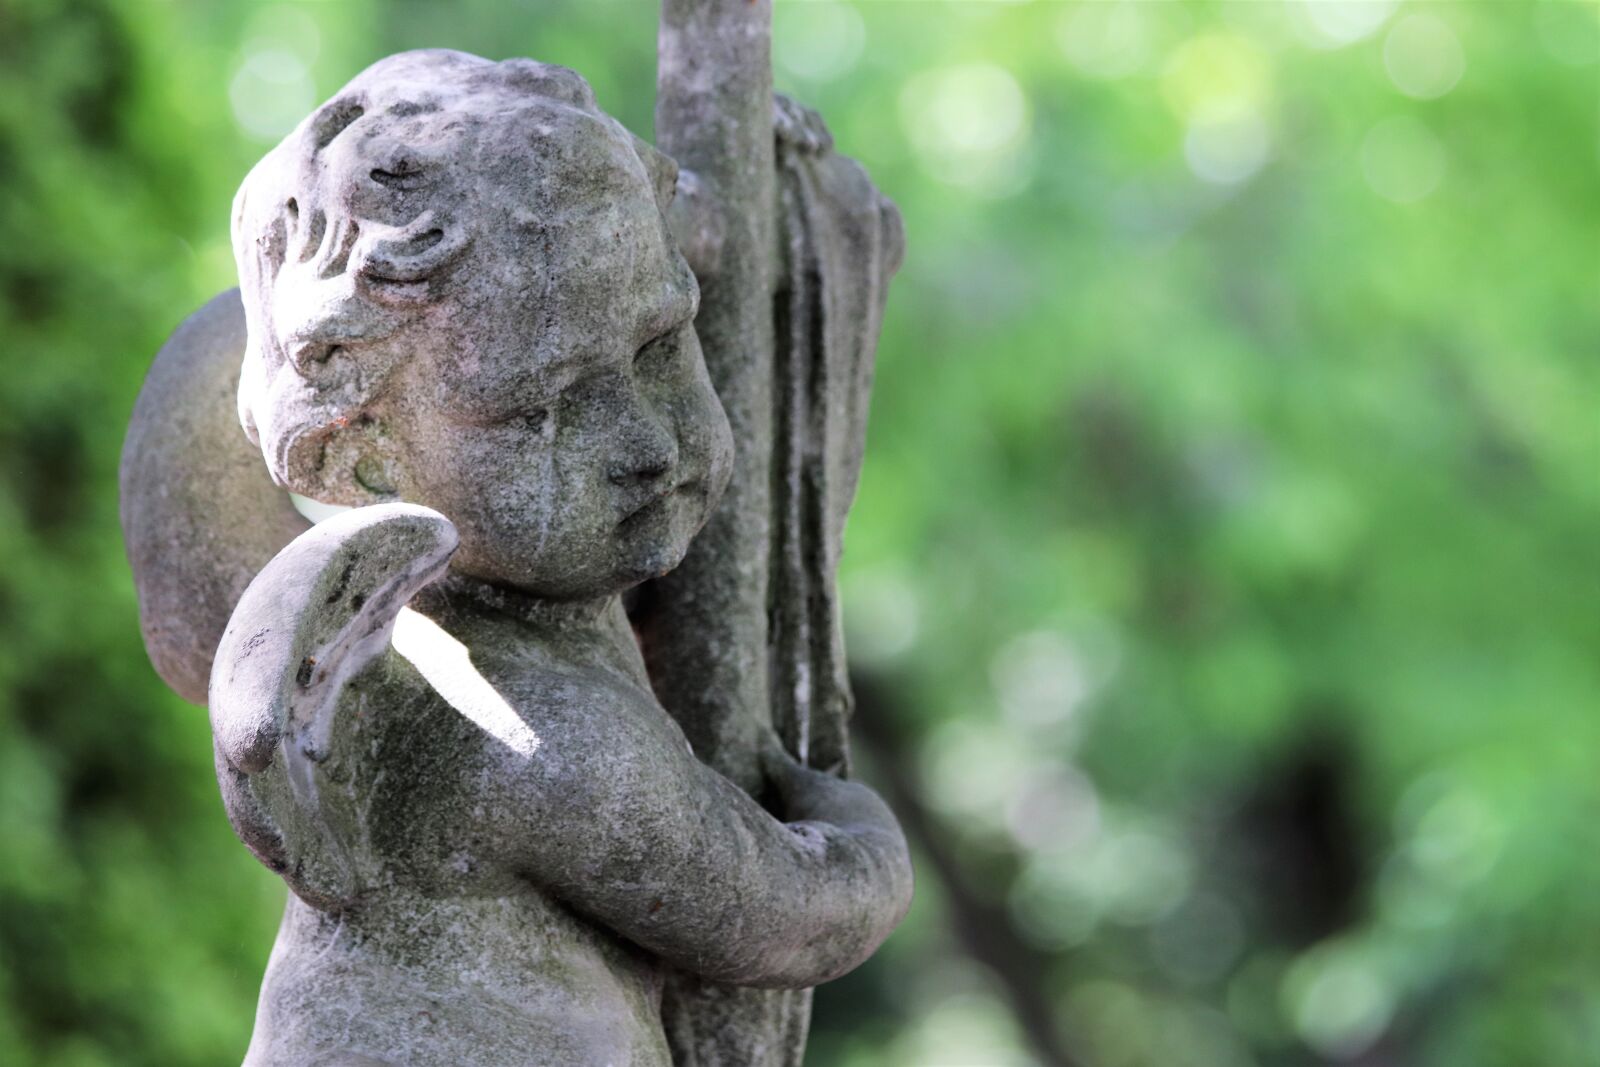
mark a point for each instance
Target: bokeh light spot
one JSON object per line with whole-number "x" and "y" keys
{"x": 1423, "y": 57}
{"x": 1338, "y": 998}
{"x": 1040, "y": 678}
{"x": 286, "y": 28}
{"x": 1140, "y": 876}
{"x": 1336, "y": 23}
{"x": 1220, "y": 85}
{"x": 1570, "y": 32}
{"x": 1051, "y": 911}
{"x": 969, "y": 124}
{"x": 1199, "y": 942}
{"x": 882, "y": 613}
{"x": 818, "y": 41}
{"x": 962, "y": 1030}
{"x": 1227, "y": 151}
{"x": 1458, "y": 839}
{"x": 271, "y": 93}
{"x": 1056, "y": 808}
{"x": 970, "y": 768}
{"x": 1402, "y": 160}
{"x": 1217, "y": 76}
{"x": 1108, "y": 39}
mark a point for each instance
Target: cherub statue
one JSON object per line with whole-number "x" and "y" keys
{"x": 469, "y": 323}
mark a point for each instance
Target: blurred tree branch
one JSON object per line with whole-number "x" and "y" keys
{"x": 983, "y": 928}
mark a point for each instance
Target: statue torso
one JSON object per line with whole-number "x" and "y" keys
{"x": 416, "y": 932}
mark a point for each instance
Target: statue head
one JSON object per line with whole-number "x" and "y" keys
{"x": 461, "y": 292}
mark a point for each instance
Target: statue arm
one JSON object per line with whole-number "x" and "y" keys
{"x": 614, "y": 814}
{"x": 673, "y": 856}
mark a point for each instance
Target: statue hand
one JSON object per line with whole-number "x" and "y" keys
{"x": 799, "y": 127}
{"x": 319, "y": 612}
{"x": 806, "y": 795}
{"x": 676, "y": 858}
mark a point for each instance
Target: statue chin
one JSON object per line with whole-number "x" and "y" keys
{"x": 656, "y": 539}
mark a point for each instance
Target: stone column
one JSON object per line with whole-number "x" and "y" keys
{"x": 704, "y": 626}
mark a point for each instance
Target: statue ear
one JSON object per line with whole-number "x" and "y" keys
{"x": 663, "y": 171}
{"x": 346, "y": 462}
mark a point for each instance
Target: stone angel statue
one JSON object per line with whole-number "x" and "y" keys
{"x": 464, "y": 318}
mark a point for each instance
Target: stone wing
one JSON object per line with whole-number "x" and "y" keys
{"x": 200, "y": 514}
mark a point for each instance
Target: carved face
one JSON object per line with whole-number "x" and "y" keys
{"x": 560, "y": 413}
{"x": 485, "y": 314}
{"x": 575, "y": 440}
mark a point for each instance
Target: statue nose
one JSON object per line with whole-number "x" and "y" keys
{"x": 650, "y": 451}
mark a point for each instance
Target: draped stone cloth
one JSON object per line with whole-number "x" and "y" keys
{"x": 841, "y": 242}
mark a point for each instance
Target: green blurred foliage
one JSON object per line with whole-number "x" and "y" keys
{"x": 1226, "y": 552}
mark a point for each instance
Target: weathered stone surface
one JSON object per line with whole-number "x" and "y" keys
{"x": 704, "y": 627}
{"x": 842, "y": 243}
{"x": 200, "y": 517}
{"x": 838, "y": 243}
{"x": 461, "y": 292}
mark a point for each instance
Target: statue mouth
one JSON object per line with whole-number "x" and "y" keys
{"x": 651, "y": 507}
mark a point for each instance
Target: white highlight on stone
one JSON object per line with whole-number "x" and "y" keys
{"x": 315, "y": 511}
{"x": 447, "y": 666}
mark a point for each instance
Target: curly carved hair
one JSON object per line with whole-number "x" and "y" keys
{"x": 354, "y": 219}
